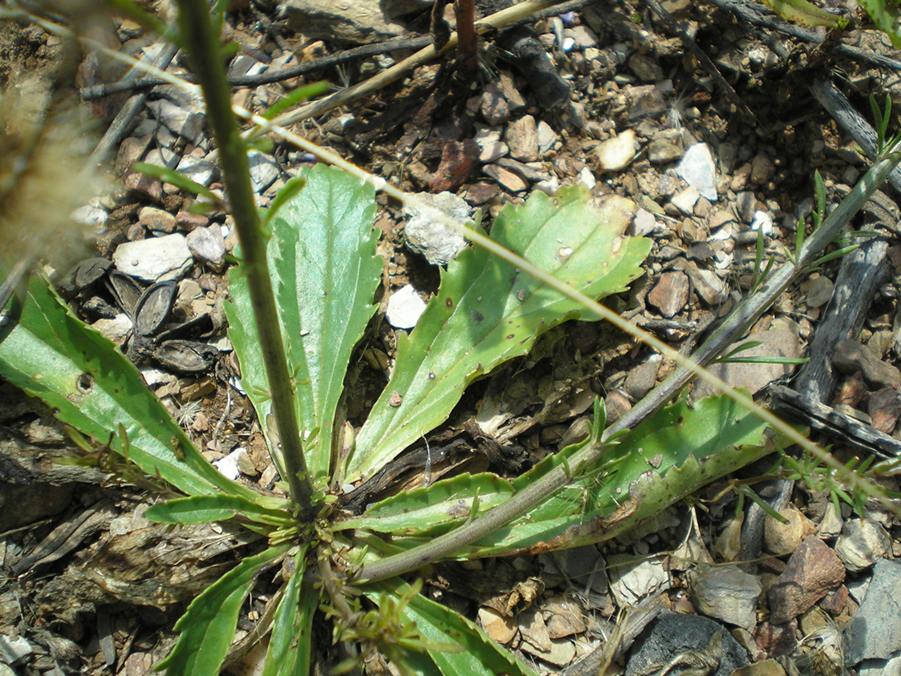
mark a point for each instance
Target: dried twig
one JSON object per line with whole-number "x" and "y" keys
{"x": 757, "y": 15}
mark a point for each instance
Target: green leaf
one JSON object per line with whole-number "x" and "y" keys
{"x": 324, "y": 273}
{"x": 672, "y": 454}
{"x": 207, "y": 508}
{"x": 441, "y": 626}
{"x": 294, "y": 97}
{"x": 885, "y": 16}
{"x": 177, "y": 179}
{"x": 291, "y": 642}
{"x": 819, "y": 188}
{"x": 90, "y": 385}
{"x": 487, "y": 312}
{"x": 442, "y": 504}
{"x": 208, "y": 626}
{"x": 805, "y": 13}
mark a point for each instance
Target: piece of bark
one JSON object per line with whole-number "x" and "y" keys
{"x": 824, "y": 418}
{"x": 861, "y": 273}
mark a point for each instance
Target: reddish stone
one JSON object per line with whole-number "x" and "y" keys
{"x": 187, "y": 221}
{"x": 776, "y": 640}
{"x": 479, "y": 193}
{"x": 812, "y": 571}
{"x": 144, "y": 185}
{"x": 458, "y": 160}
{"x": 670, "y": 294}
{"x": 834, "y": 602}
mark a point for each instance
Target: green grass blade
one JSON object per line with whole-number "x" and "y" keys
{"x": 290, "y": 643}
{"x": 324, "y": 272}
{"x": 208, "y": 508}
{"x": 177, "y": 179}
{"x": 487, "y": 312}
{"x": 90, "y": 385}
{"x": 208, "y": 626}
{"x": 884, "y": 14}
{"x": 294, "y": 97}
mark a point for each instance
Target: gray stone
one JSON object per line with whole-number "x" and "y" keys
{"x": 395, "y": 8}
{"x": 547, "y": 138}
{"x": 819, "y": 291}
{"x": 698, "y": 170}
{"x": 875, "y": 632}
{"x": 727, "y": 593}
{"x": 583, "y": 37}
{"x": 665, "y": 147}
{"x": 154, "y": 259}
{"x": 427, "y": 235}
{"x": 674, "y": 634}
{"x": 90, "y": 215}
{"x": 494, "y": 106}
{"x": 180, "y": 120}
{"x": 642, "y": 378}
{"x": 199, "y": 170}
{"x": 780, "y": 340}
{"x": 862, "y": 543}
{"x": 522, "y": 137}
{"x": 643, "y": 223}
{"x": 850, "y": 356}
{"x": 207, "y": 246}
{"x": 491, "y": 148}
{"x": 645, "y": 67}
{"x": 353, "y": 21}
{"x": 263, "y": 170}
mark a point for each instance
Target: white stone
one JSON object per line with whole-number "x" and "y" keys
{"x": 425, "y": 232}
{"x": 228, "y": 466}
{"x": 154, "y": 259}
{"x": 90, "y": 215}
{"x": 207, "y": 245}
{"x": 762, "y": 221}
{"x": 685, "y": 200}
{"x": 197, "y": 169}
{"x": 405, "y": 307}
{"x": 643, "y": 223}
{"x": 547, "y": 137}
{"x": 587, "y": 178}
{"x": 549, "y": 185}
{"x": 615, "y": 153}
{"x": 698, "y": 170}
{"x": 263, "y": 170}
{"x": 116, "y": 329}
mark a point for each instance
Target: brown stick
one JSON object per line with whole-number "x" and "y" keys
{"x": 467, "y": 39}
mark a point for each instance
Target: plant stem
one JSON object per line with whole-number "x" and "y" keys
{"x": 456, "y": 540}
{"x": 206, "y": 57}
{"x": 467, "y": 45}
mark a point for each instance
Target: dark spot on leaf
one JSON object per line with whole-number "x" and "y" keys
{"x": 509, "y": 336}
{"x": 477, "y": 316}
{"x": 431, "y": 375}
{"x": 448, "y": 302}
{"x": 85, "y": 382}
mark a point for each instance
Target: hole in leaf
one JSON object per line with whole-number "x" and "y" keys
{"x": 84, "y": 383}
